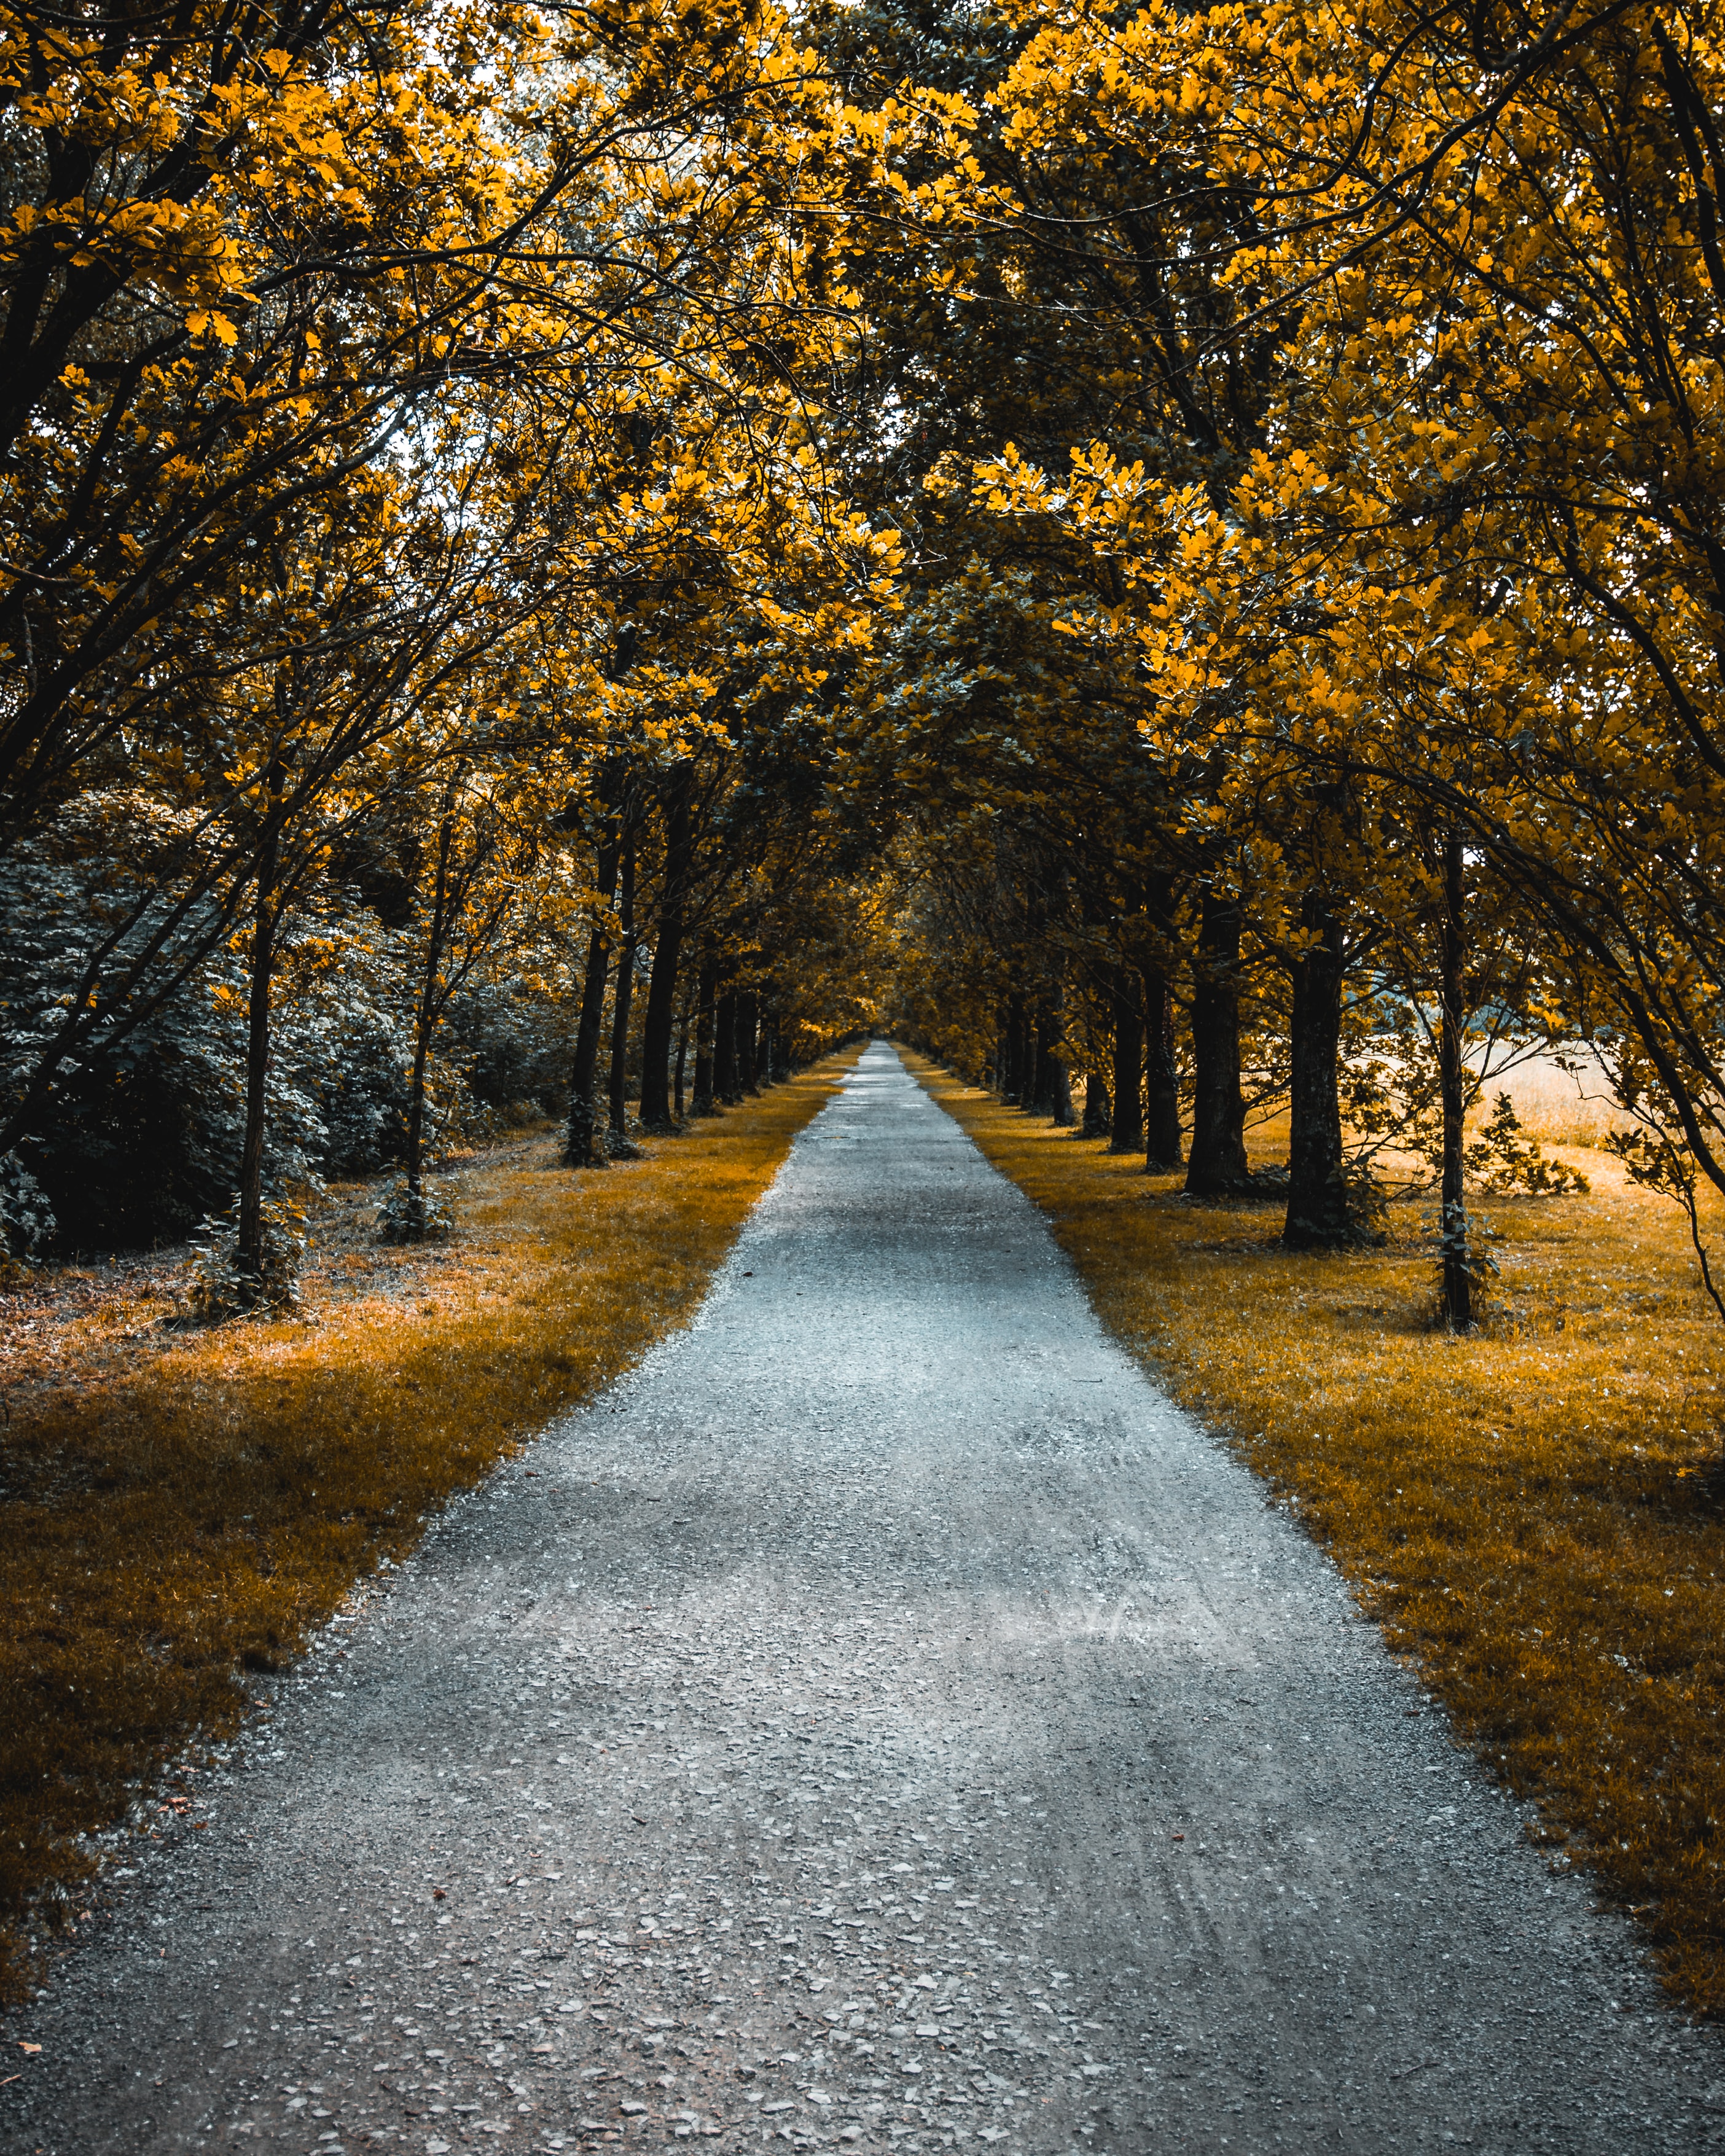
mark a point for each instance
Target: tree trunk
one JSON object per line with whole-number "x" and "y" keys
{"x": 1096, "y": 1121}
{"x": 1458, "y": 1272}
{"x": 682, "y": 1063}
{"x": 1218, "y": 1163}
{"x": 660, "y": 1019}
{"x": 1017, "y": 1057}
{"x": 1163, "y": 1138}
{"x": 1318, "y": 1217}
{"x": 725, "y": 1085}
{"x": 424, "y": 1019}
{"x": 747, "y": 1020}
{"x": 763, "y": 1051}
{"x": 581, "y": 1147}
{"x": 705, "y": 1030}
{"x": 266, "y": 920}
{"x": 617, "y": 1137}
{"x": 1126, "y": 1131}
{"x": 1040, "y": 1094}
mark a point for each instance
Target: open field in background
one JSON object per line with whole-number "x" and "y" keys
{"x": 1535, "y": 1515}
{"x": 181, "y": 1508}
{"x": 1554, "y": 1107}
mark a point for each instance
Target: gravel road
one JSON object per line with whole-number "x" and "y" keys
{"x": 883, "y": 1721}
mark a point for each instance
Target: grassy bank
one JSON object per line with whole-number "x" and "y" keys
{"x": 1534, "y": 1514}
{"x": 179, "y": 1508}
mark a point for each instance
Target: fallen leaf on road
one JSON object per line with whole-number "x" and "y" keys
{"x": 29, "y": 2049}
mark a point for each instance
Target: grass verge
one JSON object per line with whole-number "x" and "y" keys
{"x": 1533, "y": 1514}
{"x": 175, "y": 1517}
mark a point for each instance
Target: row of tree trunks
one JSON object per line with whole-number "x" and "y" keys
{"x": 1138, "y": 1106}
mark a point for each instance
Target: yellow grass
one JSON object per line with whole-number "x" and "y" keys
{"x": 1557, "y": 1106}
{"x": 1534, "y": 1515}
{"x": 182, "y": 1508}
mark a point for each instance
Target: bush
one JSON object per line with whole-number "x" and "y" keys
{"x": 407, "y": 1215}
{"x": 219, "y": 1290}
{"x": 27, "y": 1220}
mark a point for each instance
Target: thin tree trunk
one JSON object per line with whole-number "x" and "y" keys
{"x": 617, "y": 1137}
{"x": 1060, "y": 1093}
{"x": 705, "y": 1030}
{"x": 1095, "y": 1124}
{"x": 580, "y": 1146}
{"x": 1318, "y": 1217}
{"x": 1017, "y": 1055}
{"x": 1458, "y": 1277}
{"x": 763, "y": 1051}
{"x": 424, "y": 1019}
{"x": 682, "y": 1063}
{"x": 747, "y": 1018}
{"x": 1126, "y": 1131}
{"x": 660, "y": 1017}
{"x": 1218, "y": 1163}
{"x": 266, "y": 920}
{"x": 1164, "y": 1147}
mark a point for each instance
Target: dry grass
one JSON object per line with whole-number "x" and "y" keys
{"x": 181, "y": 1508}
{"x": 1535, "y": 1515}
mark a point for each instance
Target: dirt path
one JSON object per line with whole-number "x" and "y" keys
{"x": 885, "y": 1721}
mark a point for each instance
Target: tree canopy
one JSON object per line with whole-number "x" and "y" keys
{"x": 574, "y": 557}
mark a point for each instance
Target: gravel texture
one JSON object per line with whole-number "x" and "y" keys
{"x": 884, "y": 1720}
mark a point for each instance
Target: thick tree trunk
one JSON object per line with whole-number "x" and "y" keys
{"x": 705, "y": 1030}
{"x": 266, "y": 921}
{"x": 1318, "y": 1217}
{"x": 1164, "y": 1147}
{"x": 1218, "y": 1163}
{"x": 1126, "y": 1131}
{"x": 580, "y": 1146}
{"x": 617, "y": 1137}
{"x": 1458, "y": 1275}
{"x": 660, "y": 1019}
{"x": 725, "y": 1085}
